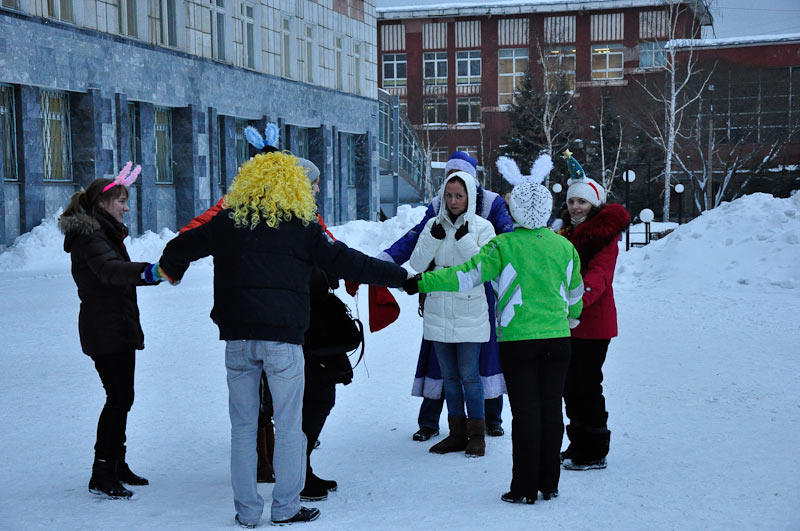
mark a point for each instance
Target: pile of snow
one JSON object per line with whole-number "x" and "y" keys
{"x": 43, "y": 247}
{"x": 754, "y": 240}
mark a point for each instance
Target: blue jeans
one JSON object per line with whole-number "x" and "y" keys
{"x": 462, "y": 379}
{"x": 283, "y": 363}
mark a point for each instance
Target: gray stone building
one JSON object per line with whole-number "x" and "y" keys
{"x": 86, "y": 85}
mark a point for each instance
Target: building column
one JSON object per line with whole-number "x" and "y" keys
{"x": 192, "y": 192}
{"x": 31, "y": 163}
{"x": 92, "y": 137}
{"x": 148, "y": 198}
{"x": 228, "y": 150}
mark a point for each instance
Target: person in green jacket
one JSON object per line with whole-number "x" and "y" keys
{"x": 536, "y": 276}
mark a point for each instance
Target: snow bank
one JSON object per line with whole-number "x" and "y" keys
{"x": 43, "y": 247}
{"x": 754, "y": 240}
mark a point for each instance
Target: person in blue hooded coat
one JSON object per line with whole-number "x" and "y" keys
{"x": 428, "y": 381}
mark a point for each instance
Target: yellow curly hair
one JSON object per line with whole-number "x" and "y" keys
{"x": 272, "y": 188}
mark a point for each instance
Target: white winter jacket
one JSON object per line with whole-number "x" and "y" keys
{"x": 454, "y": 317}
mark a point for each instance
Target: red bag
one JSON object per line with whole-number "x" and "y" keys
{"x": 383, "y": 308}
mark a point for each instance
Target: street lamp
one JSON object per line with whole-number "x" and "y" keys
{"x": 557, "y": 189}
{"x": 628, "y": 176}
{"x": 646, "y": 215}
{"x": 679, "y": 191}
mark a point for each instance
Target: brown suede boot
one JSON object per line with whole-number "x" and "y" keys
{"x": 476, "y": 446}
{"x": 456, "y": 441}
{"x": 265, "y": 446}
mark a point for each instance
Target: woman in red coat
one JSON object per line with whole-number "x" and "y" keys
{"x": 594, "y": 227}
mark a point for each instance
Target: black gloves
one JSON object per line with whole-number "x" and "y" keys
{"x": 437, "y": 231}
{"x": 411, "y": 285}
{"x": 462, "y": 231}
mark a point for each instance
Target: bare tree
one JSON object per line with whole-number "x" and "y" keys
{"x": 678, "y": 92}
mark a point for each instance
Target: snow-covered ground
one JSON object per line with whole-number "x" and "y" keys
{"x": 702, "y": 385}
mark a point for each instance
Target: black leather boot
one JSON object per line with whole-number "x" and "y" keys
{"x": 104, "y": 480}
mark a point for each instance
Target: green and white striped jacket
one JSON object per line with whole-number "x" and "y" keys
{"x": 536, "y": 278}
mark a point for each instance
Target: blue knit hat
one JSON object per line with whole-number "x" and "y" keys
{"x": 462, "y": 162}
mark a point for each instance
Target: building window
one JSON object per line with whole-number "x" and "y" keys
{"x": 163, "y": 130}
{"x": 56, "y": 136}
{"x": 434, "y": 68}
{"x": 286, "y": 52}
{"x": 403, "y": 107}
{"x": 168, "y": 30}
{"x": 652, "y": 54}
{"x": 11, "y": 4}
{"x": 435, "y": 111}
{"x": 560, "y": 66}
{"x": 468, "y": 68}
{"x": 8, "y": 129}
{"x": 240, "y": 142}
{"x": 472, "y": 151}
{"x": 384, "y": 129}
{"x": 307, "y": 54}
{"x": 439, "y": 154}
{"x": 127, "y": 18}
{"x": 339, "y": 66}
{"x": 394, "y": 70}
{"x": 357, "y": 67}
{"x": 468, "y": 110}
{"x": 133, "y": 132}
{"x": 218, "y": 29}
{"x": 607, "y": 61}
{"x": 248, "y": 35}
{"x": 349, "y": 155}
{"x": 512, "y": 67}
{"x": 60, "y": 9}
{"x": 220, "y": 138}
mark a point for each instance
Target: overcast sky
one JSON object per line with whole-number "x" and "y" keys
{"x": 732, "y": 18}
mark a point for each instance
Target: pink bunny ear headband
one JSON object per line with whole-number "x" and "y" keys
{"x": 125, "y": 178}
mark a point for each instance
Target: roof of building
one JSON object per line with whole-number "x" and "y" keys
{"x": 734, "y": 42}
{"x": 514, "y": 7}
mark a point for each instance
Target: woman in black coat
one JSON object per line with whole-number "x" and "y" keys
{"x": 108, "y": 322}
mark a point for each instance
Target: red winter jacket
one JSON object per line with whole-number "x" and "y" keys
{"x": 596, "y": 242}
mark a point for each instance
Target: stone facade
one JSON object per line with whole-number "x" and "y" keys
{"x": 102, "y": 73}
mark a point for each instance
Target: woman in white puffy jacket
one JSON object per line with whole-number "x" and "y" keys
{"x": 457, "y": 323}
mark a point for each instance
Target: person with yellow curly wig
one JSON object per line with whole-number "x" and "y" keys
{"x": 265, "y": 243}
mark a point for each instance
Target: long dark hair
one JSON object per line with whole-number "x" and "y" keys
{"x": 86, "y": 201}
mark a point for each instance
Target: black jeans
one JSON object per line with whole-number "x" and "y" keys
{"x": 583, "y": 390}
{"x": 431, "y": 409}
{"x": 116, "y": 373}
{"x": 535, "y": 371}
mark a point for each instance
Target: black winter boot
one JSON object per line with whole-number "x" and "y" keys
{"x": 476, "y": 444}
{"x": 592, "y": 454}
{"x": 456, "y": 441}
{"x": 104, "y": 480}
{"x": 124, "y": 474}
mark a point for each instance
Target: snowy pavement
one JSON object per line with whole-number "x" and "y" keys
{"x": 702, "y": 386}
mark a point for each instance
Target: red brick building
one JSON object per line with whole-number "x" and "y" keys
{"x": 456, "y": 68}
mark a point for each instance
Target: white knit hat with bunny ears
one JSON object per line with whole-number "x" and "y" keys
{"x": 530, "y": 204}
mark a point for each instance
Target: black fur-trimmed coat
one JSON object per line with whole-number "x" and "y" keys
{"x": 106, "y": 278}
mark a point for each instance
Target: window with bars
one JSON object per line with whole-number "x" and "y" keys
{"x": 9, "y": 131}
{"x": 61, "y": 10}
{"x": 434, "y": 68}
{"x": 468, "y": 110}
{"x": 652, "y": 54}
{"x": 349, "y": 155}
{"x": 394, "y": 70}
{"x": 248, "y": 35}
{"x": 560, "y": 65}
{"x": 218, "y": 29}
{"x": 286, "y": 46}
{"x": 435, "y": 111}
{"x": 163, "y": 133}
{"x": 307, "y": 54}
{"x": 133, "y": 132}
{"x": 607, "y": 61}
{"x": 127, "y": 18}
{"x": 512, "y": 67}
{"x": 240, "y": 143}
{"x": 56, "y": 136}
{"x": 468, "y": 68}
